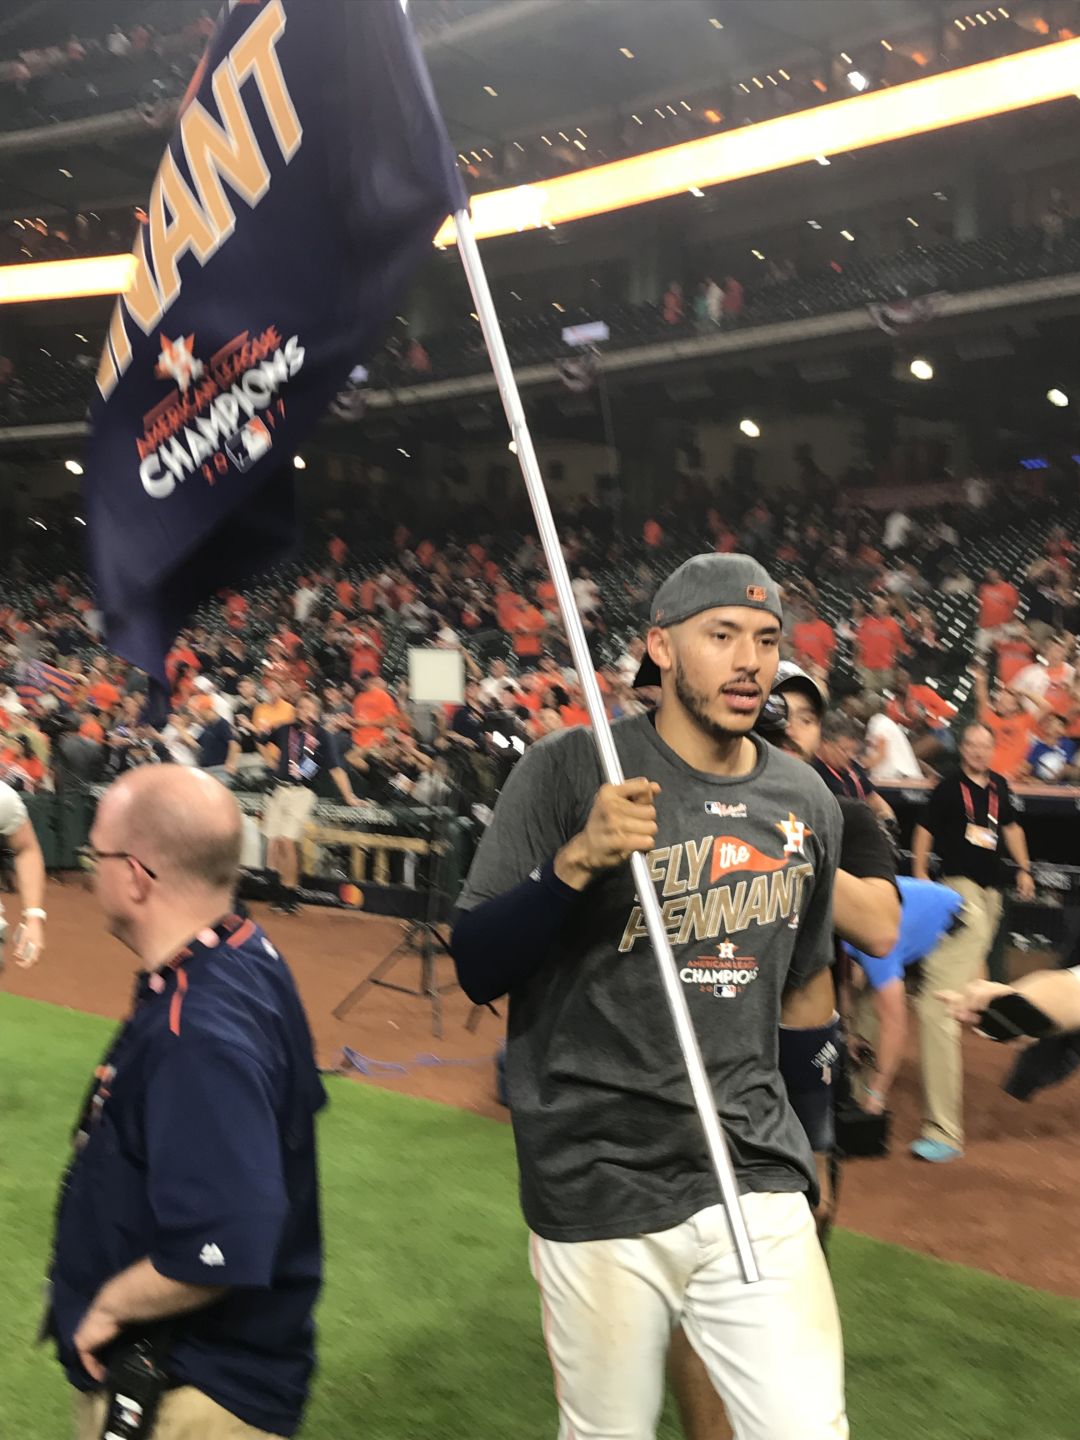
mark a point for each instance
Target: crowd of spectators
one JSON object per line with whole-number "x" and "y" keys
{"x": 138, "y": 65}
{"x": 39, "y": 387}
{"x": 912, "y": 622}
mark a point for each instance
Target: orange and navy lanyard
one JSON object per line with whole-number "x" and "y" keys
{"x": 991, "y": 806}
{"x": 850, "y": 778}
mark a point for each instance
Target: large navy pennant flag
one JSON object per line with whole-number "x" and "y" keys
{"x": 305, "y": 180}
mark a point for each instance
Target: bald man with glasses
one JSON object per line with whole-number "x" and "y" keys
{"x": 187, "y": 1255}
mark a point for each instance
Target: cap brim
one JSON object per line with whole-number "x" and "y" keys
{"x": 648, "y": 676}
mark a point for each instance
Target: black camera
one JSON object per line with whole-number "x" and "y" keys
{"x": 135, "y": 1382}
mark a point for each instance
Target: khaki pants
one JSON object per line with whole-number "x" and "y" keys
{"x": 956, "y": 961}
{"x": 185, "y": 1414}
{"x": 875, "y": 680}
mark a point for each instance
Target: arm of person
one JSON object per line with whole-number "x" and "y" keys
{"x": 232, "y": 756}
{"x": 880, "y": 806}
{"x": 875, "y": 752}
{"x": 982, "y": 692}
{"x": 866, "y": 912}
{"x": 1016, "y": 844}
{"x": 138, "y": 1295}
{"x": 921, "y": 840}
{"x": 30, "y": 884}
{"x": 215, "y": 1186}
{"x": 890, "y": 1009}
{"x": 1055, "y": 992}
{"x": 533, "y": 864}
{"x": 341, "y": 780}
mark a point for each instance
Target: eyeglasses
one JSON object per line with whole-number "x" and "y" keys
{"x": 90, "y": 858}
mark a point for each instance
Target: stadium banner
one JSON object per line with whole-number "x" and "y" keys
{"x": 304, "y": 181}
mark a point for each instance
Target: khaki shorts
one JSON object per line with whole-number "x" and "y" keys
{"x": 185, "y": 1414}
{"x": 289, "y": 810}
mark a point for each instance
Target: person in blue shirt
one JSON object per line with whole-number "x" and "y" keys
{"x": 1051, "y": 760}
{"x": 189, "y": 1212}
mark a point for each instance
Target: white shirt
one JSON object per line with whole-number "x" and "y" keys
{"x": 304, "y": 601}
{"x": 626, "y": 667}
{"x": 1035, "y": 680}
{"x": 898, "y": 758}
{"x": 493, "y": 689}
{"x": 586, "y": 594}
{"x": 896, "y": 530}
{"x": 12, "y": 811}
{"x": 179, "y": 753}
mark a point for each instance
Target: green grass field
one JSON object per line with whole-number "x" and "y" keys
{"x": 429, "y": 1327}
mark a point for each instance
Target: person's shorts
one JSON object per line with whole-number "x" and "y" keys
{"x": 289, "y": 810}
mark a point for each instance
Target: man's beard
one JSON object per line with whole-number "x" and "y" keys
{"x": 695, "y": 703}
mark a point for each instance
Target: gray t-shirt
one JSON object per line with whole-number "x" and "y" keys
{"x": 607, "y": 1138}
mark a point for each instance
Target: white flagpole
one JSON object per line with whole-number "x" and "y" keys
{"x": 560, "y": 577}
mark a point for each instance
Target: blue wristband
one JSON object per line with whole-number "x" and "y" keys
{"x": 808, "y": 1061}
{"x": 503, "y": 941}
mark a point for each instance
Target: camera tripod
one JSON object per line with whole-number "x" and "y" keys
{"x": 421, "y": 938}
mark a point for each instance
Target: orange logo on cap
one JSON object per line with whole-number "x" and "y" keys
{"x": 755, "y": 592}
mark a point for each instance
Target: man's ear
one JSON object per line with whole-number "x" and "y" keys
{"x": 659, "y": 647}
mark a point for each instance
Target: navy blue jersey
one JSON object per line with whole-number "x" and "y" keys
{"x": 196, "y": 1150}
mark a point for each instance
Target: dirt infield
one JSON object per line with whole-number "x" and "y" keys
{"x": 1002, "y": 1209}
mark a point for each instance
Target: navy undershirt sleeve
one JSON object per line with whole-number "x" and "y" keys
{"x": 503, "y": 941}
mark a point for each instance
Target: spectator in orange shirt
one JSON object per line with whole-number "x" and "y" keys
{"x": 814, "y": 640}
{"x": 529, "y": 629}
{"x": 653, "y": 534}
{"x": 507, "y": 604}
{"x": 90, "y": 729}
{"x": 1014, "y": 651}
{"x": 367, "y": 593}
{"x": 375, "y": 712}
{"x": 180, "y": 654}
{"x": 998, "y": 600}
{"x": 925, "y": 714}
{"x": 343, "y": 590}
{"x": 367, "y": 651}
{"x": 546, "y": 597}
{"x": 100, "y": 691}
{"x": 337, "y": 549}
{"x": 878, "y": 642}
{"x": 1011, "y": 724}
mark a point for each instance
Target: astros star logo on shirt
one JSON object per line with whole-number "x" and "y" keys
{"x": 794, "y": 832}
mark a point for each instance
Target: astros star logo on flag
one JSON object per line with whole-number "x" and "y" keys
{"x": 177, "y": 361}
{"x": 794, "y": 832}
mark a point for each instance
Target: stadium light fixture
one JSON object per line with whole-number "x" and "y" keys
{"x": 750, "y": 428}
{"x": 858, "y": 81}
{"x": 922, "y": 369}
{"x": 73, "y": 467}
{"x": 299, "y": 463}
{"x": 1058, "y": 398}
{"x": 79, "y": 520}
{"x": 934, "y": 102}
{"x": 66, "y": 279}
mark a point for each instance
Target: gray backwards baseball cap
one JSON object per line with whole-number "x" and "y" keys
{"x": 706, "y": 582}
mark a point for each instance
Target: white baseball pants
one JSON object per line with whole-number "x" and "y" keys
{"x": 773, "y": 1350}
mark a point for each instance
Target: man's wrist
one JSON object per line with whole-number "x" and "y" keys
{"x": 570, "y": 866}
